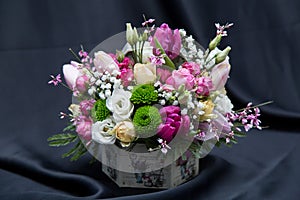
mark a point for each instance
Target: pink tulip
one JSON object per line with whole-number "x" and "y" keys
{"x": 169, "y": 40}
{"x": 173, "y": 123}
{"x": 104, "y": 62}
{"x": 219, "y": 75}
{"x": 71, "y": 73}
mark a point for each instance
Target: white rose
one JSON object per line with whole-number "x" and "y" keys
{"x": 223, "y": 104}
{"x": 144, "y": 73}
{"x": 104, "y": 62}
{"x": 119, "y": 104}
{"x": 125, "y": 132}
{"x": 101, "y": 132}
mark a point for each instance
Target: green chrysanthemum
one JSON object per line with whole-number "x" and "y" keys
{"x": 146, "y": 120}
{"x": 144, "y": 94}
{"x": 100, "y": 112}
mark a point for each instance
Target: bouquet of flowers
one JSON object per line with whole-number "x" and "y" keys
{"x": 161, "y": 90}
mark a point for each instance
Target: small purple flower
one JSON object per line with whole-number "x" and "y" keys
{"x": 157, "y": 60}
{"x": 83, "y": 54}
{"x": 149, "y": 21}
{"x": 221, "y": 28}
{"x": 164, "y": 145}
{"x": 55, "y": 80}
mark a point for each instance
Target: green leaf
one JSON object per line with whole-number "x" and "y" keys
{"x": 61, "y": 139}
{"x": 239, "y": 134}
{"x": 218, "y": 144}
{"x": 70, "y": 127}
{"x": 233, "y": 140}
{"x": 72, "y": 151}
{"x": 81, "y": 150}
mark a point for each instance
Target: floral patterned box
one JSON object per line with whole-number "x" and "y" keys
{"x": 178, "y": 172}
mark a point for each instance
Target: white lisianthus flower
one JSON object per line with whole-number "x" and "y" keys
{"x": 144, "y": 73}
{"x": 223, "y": 104}
{"x": 119, "y": 104}
{"x": 104, "y": 62}
{"x": 101, "y": 132}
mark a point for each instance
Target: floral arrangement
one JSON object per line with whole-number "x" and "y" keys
{"x": 160, "y": 85}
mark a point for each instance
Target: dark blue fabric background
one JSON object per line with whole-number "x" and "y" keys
{"x": 34, "y": 41}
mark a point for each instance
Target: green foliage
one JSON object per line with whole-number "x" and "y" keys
{"x": 144, "y": 94}
{"x": 100, "y": 112}
{"x": 70, "y": 127}
{"x": 64, "y": 139}
{"x": 76, "y": 152}
{"x": 61, "y": 139}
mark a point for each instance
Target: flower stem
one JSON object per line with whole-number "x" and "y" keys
{"x": 74, "y": 54}
{"x": 259, "y": 105}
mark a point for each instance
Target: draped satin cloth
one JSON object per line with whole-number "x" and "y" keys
{"x": 34, "y": 41}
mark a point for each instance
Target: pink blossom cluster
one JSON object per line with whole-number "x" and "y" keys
{"x": 248, "y": 117}
{"x": 125, "y": 67}
{"x": 84, "y": 122}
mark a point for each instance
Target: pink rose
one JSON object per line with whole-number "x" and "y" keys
{"x": 169, "y": 40}
{"x": 181, "y": 77}
{"x": 84, "y": 126}
{"x": 193, "y": 67}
